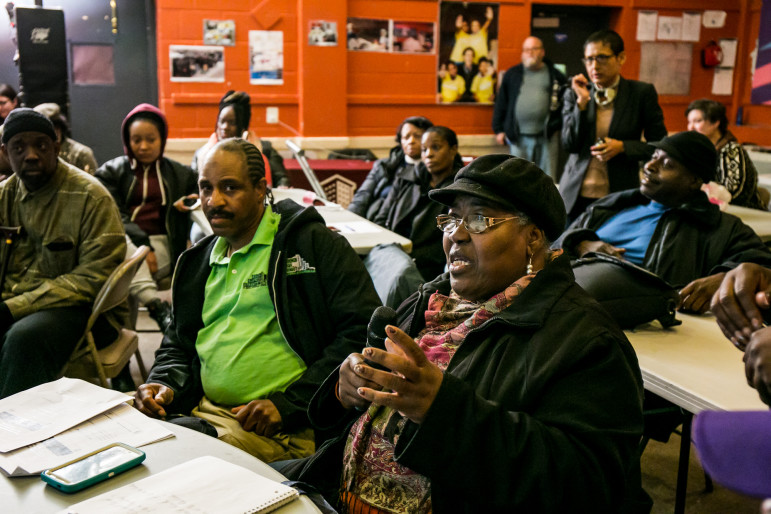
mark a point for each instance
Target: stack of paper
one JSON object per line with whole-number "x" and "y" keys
{"x": 56, "y": 422}
{"x": 203, "y": 485}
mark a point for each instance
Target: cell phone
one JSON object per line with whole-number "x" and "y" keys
{"x": 193, "y": 203}
{"x": 94, "y": 467}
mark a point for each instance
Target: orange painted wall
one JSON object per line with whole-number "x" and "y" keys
{"x": 191, "y": 107}
{"x": 329, "y": 91}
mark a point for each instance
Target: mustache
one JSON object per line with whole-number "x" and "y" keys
{"x": 219, "y": 212}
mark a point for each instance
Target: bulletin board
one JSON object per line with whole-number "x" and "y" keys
{"x": 667, "y": 65}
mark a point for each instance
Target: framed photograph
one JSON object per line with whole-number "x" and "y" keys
{"x": 468, "y": 50}
{"x": 266, "y": 57}
{"x": 197, "y": 63}
{"x": 322, "y": 33}
{"x": 219, "y": 32}
{"x": 413, "y": 37}
{"x": 368, "y": 35}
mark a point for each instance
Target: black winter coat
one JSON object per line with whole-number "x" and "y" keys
{"x": 408, "y": 211}
{"x": 540, "y": 409}
{"x": 323, "y": 315}
{"x": 373, "y": 191}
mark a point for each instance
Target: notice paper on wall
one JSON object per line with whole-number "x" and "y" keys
{"x": 722, "y": 82}
{"x": 670, "y": 28}
{"x": 646, "y": 25}
{"x": 691, "y": 26}
{"x": 714, "y": 19}
{"x": 728, "y": 46}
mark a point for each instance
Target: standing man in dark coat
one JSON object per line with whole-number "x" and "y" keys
{"x": 603, "y": 118}
{"x": 527, "y": 108}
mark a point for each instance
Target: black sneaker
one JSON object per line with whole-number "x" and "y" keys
{"x": 123, "y": 381}
{"x": 160, "y": 311}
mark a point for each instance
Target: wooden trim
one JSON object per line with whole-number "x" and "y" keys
{"x": 214, "y": 98}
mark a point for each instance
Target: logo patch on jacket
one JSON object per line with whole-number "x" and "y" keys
{"x": 256, "y": 280}
{"x": 297, "y": 266}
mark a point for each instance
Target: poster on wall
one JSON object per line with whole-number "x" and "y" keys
{"x": 413, "y": 37}
{"x": 197, "y": 63}
{"x": 761, "y": 79}
{"x": 266, "y": 57}
{"x": 468, "y": 52}
{"x": 219, "y": 32}
{"x": 322, "y": 33}
{"x": 368, "y": 35}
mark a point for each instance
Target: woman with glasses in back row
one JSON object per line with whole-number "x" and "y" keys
{"x": 501, "y": 386}
{"x": 603, "y": 117}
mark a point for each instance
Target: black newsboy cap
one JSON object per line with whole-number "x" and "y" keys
{"x": 511, "y": 182}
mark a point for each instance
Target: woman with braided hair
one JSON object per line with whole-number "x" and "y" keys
{"x": 233, "y": 121}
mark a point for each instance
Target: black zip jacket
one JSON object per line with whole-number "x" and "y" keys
{"x": 178, "y": 181}
{"x": 373, "y": 191}
{"x": 323, "y": 315}
{"x": 691, "y": 241}
{"x": 408, "y": 211}
{"x": 540, "y": 409}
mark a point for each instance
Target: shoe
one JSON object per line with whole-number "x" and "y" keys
{"x": 123, "y": 381}
{"x": 160, "y": 311}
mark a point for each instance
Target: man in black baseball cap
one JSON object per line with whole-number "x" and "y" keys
{"x": 668, "y": 225}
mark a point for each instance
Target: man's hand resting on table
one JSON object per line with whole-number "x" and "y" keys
{"x": 757, "y": 363}
{"x": 259, "y": 416}
{"x": 696, "y": 296}
{"x": 150, "y": 399}
{"x": 738, "y": 302}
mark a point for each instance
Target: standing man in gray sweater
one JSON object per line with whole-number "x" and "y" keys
{"x": 527, "y": 108}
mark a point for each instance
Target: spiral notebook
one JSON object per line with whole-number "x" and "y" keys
{"x": 205, "y": 484}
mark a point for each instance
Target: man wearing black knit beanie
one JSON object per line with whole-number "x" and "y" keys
{"x": 70, "y": 239}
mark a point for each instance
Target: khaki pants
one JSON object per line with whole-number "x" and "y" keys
{"x": 281, "y": 446}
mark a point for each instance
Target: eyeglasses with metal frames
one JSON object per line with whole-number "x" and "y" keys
{"x": 600, "y": 59}
{"x": 474, "y": 224}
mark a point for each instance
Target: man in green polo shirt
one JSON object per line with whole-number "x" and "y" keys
{"x": 263, "y": 312}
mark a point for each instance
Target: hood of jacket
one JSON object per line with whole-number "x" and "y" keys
{"x": 151, "y": 111}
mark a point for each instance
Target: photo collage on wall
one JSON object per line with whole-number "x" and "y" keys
{"x": 206, "y": 63}
{"x": 468, "y": 52}
{"x": 371, "y": 35}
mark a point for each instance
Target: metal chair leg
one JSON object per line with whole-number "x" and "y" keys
{"x": 682, "y": 468}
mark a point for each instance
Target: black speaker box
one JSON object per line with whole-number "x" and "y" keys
{"x": 42, "y": 57}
